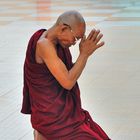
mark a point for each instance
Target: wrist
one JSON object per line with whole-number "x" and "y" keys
{"x": 84, "y": 55}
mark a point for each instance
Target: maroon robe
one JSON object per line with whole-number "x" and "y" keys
{"x": 55, "y": 111}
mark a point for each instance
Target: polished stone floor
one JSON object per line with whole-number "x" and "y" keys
{"x": 110, "y": 83}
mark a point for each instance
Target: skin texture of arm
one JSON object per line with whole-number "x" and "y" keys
{"x": 66, "y": 78}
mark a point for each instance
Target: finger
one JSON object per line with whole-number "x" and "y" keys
{"x": 95, "y": 35}
{"x": 100, "y": 44}
{"x": 91, "y": 34}
{"x": 98, "y": 38}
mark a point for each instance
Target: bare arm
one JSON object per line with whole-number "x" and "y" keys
{"x": 66, "y": 78}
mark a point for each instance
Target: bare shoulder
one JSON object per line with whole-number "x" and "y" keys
{"x": 44, "y": 42}
{"x": 45, "y": 49}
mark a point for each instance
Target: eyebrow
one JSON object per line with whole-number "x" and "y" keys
{"x": 67, "y": 25}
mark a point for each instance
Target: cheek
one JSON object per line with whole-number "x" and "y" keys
{"x": 66, "y": 39}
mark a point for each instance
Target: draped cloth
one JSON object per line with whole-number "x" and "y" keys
{"x": 55, "y": 111}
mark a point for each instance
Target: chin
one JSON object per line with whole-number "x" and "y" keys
{"x": 65, "y": 45}
{"x": 68, "y": 45}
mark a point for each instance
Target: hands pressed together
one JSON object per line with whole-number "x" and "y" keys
{"x": 88, "y": 45}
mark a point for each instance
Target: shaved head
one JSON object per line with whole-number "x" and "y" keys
{"x": 71, "y": 18}
{"x": 69, "y": 28}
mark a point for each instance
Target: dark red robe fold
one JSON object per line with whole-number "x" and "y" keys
{"x": 55, "y": 112}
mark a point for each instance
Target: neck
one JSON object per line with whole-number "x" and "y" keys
{"x": 52, "y": 35}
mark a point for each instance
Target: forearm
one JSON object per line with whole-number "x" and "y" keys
{"x": 77, "y": 69}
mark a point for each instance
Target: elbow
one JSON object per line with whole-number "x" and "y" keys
{"x": 68, "y": 85}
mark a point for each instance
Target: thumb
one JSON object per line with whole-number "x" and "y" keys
{"x": 83, "y": 39}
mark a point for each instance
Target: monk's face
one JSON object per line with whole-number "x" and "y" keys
{"x": 68, "y": 35}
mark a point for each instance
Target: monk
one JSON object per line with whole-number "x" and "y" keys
{"x": 50, "y": 92}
